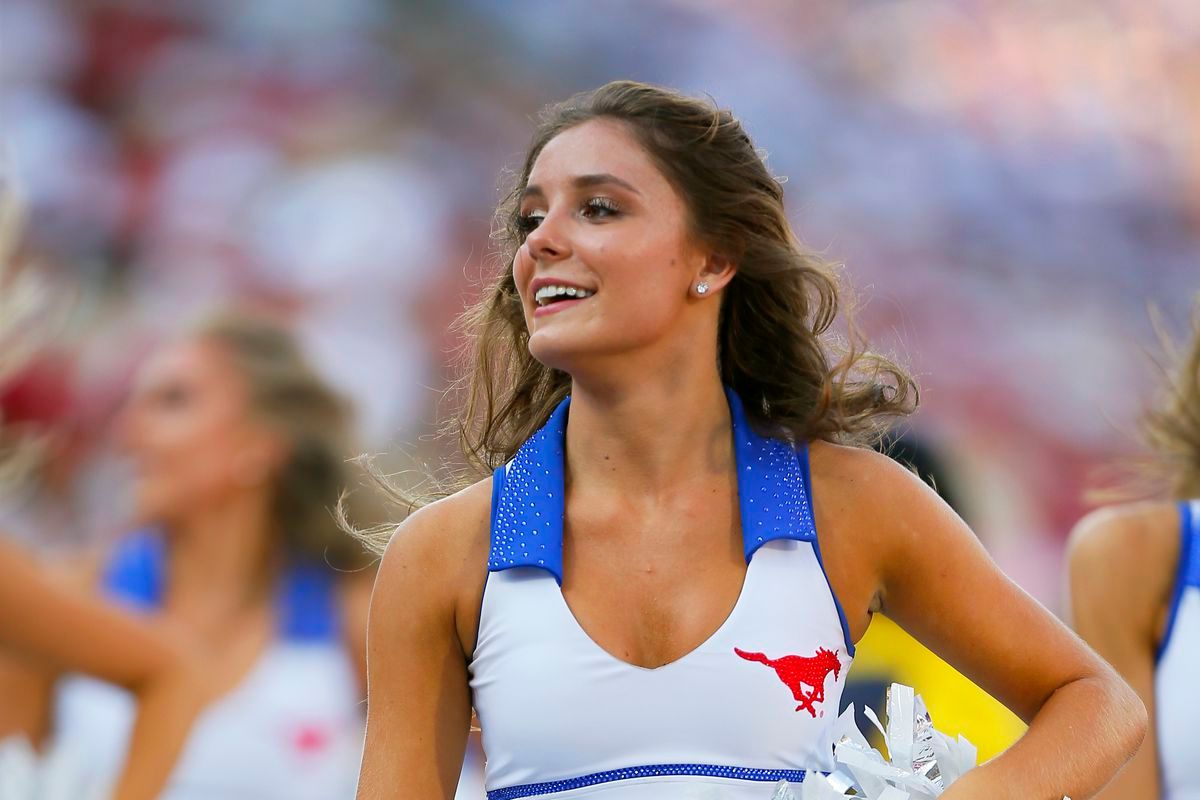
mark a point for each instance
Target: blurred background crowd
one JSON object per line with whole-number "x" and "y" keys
{"x": 1009, "y": 186}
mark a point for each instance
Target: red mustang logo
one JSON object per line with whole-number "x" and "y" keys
{"x": 798, "y": 671}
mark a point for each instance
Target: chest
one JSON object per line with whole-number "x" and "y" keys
{"x": 231, "y": 646}
{"x": 649, "y": 586}
{"x": 760, "y": 690}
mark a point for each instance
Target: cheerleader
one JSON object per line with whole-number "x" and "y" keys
{"x": 658, "y": 591}
{"x": 238, "y": 449}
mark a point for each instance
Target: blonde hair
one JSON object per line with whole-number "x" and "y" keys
{"x": 1172, "y": 427}
{"x": 287, "y": 394}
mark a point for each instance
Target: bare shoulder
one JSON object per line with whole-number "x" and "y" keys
{"x": 436, "y": 561}
{"x": 1132, "y": 549}
{"x": 442, "y": 533}
{"x": 851, "y": 464}
{"x": 864, "y": 485}
{"x": 1148, "y": 530}
{"x": 868, "y": 509}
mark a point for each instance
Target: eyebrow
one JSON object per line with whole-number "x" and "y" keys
{"x": 585, "y": 182}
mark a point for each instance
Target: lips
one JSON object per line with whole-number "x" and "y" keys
{"x": 558, "y": 306}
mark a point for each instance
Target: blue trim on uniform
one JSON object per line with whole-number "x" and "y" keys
{"x": 802, "y": 458}
{"x": 498, "y": 476}
{"x": 1187, "y": 572}
{"x": 527, "y": 519}
{"x": 134, "y": 572}
{"x": 306, "y": 599}
{"x": 1191, "y": 576}
{"x": 307, "y": 603}
{"x": 527, "y": 511}
{"x": 771, "y": 495}
{"x": 649, "y": 771}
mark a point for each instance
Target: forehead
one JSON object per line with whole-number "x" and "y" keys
{"x": 191, "y": 360}
{"x": 598, "y": 147}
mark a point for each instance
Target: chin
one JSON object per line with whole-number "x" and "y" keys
{"x": 558, "y": 352}
{"x": 152, "y": 507}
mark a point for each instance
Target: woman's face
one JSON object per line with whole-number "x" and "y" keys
{"x": 190, "y": 434}
{"x": 604, "y": 223}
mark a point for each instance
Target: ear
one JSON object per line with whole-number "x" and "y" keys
{"x": 715, "y": 272}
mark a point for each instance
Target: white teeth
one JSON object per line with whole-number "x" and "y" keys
{"x": 545, "y": 294}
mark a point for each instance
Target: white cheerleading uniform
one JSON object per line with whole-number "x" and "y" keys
{"x": 292, "y": 729}
{"x": 754, "y": 704}
{"x": 1177, "y": 692}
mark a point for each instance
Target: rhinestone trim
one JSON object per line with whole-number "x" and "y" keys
{"x": 528, "y": 513}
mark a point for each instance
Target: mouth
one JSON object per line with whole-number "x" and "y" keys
{"x": 552, "y": 298}
{"x": 558, "y": 293}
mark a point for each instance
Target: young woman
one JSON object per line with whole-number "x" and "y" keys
{"x": 239, "y": 450}
{"x": 1135, "y": 597}
{"x": 658, "y": 592}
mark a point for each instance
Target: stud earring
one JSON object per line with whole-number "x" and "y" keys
{"x": 702, "y": 287}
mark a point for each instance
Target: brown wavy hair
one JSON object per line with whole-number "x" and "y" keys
{"x": 1172, "y": 428}
{"x": 775, "y": 347}
{"x": 797, "y": 380}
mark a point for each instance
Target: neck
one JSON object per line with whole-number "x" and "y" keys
{"x": 663, "y": 429}
{"x": 220, "y": 562}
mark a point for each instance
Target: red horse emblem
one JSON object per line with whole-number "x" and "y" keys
{"x": 797, "y": 672}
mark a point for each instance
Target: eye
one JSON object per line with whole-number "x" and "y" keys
{"x": 600, "y": 208}
{"x": 171, "y": 396}
{"x": 526, "y": 223}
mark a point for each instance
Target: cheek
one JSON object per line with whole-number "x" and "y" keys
{"x": 640, "y": 318}
{"x": 522, "y": 270}
{"x": 522, "y": 275}
{"x": 181, "y": 466}
{"x": 645, "y": 289}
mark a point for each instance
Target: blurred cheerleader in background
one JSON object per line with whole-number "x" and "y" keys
{"x": 239, "y": 448}
{"x": 239, "y": 452}
{"x": 1135, "y": 594}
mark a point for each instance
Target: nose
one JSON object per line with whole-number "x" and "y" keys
{"x": 548, "y": 241}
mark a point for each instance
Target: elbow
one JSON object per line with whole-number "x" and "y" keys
{"x": 1113, "y": 715}
{"x": 1139, "y": 722}
{"x": 1128, "y": 719}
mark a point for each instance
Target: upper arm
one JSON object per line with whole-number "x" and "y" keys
{"x": 105, "y": 641}
{"x": 926, "y": 570}
{"x": 418, "y": 699}
{"x": 1128, "y": 553}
